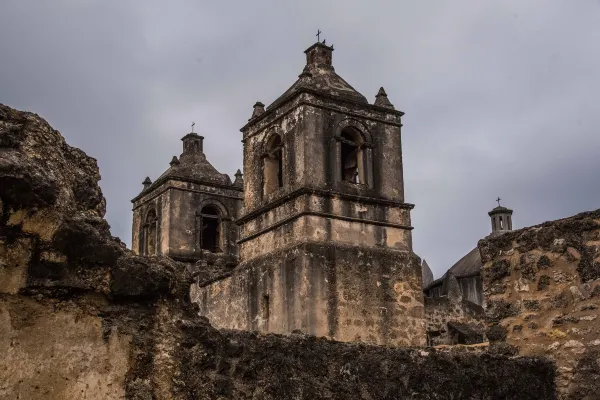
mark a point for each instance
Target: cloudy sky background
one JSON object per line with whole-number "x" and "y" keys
{"x": 501, "y": 97}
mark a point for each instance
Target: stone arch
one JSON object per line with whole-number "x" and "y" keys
{"x": 354, "y": 152}
{"x": 273, "y": 162}
{"x": 271, "y": 133}
{"x": 211, "y": 225}
{"x": 149, "y": 232}
{"x": 224, "y": 212}
{"x": 358, "y": 126}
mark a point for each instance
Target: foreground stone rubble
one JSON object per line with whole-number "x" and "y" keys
{"x": 81, "y": 317}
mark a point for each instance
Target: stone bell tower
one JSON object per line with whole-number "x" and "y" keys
{"x": 188, "y": 212}
{"x": 325, "y": 242}
{"x": 501, "y": 219}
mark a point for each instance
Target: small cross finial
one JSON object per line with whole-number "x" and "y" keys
{"x": 193, "y": 124}
{"x": 498, "y": 200}
{"x": 318, "y": 35}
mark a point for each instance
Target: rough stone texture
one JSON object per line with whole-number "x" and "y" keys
{"x": 59, "y": 349}
{"x": 449, "y": 321}
{"x": 83, "y": 318}
{"x": 540, "y": 284}
{"x": 339, "y": 292}
{"x": 251, "y": 366}
{"x": 451, "y": 317}
{"x": 78, "y": 311}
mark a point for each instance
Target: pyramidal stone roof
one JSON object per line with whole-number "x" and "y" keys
{"x": 193, "y": 165}
{"x": 320, "y": 76}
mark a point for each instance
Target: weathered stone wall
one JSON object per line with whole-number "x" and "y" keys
{"x": 159, "y": 201}
{"x": 347, "y": 293}
{"x": 54, "y": 349}
{"x": 77, "y": 310}
{"x": 302, "y": 228}
{"x": 177, "y": 203}
{"x": 542, "y": 287}
{"x": 453, "y": 322}
{"x": 186, "y": 202}
{"x": 246, "y": 365}
{"x": 373, "y": 213}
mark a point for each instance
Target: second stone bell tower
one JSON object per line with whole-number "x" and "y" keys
{"x": 325, "y": 243}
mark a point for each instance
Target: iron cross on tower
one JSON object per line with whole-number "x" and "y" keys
{"x": 318, "y": 35}
{"x": 498, "y": 200}
{"x": 193, "y": 123}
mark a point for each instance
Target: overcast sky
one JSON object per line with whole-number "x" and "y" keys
{"x": 501, "y": 97}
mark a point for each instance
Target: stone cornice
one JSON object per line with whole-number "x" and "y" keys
{"x": 295, "y": 95}
{"x": 324, "y": 193}
{"x": 167, "y": 178}
{"x": 324, "y": 215}
{"x": 158, "y": 191}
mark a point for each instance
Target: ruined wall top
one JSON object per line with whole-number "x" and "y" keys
{"x": 542, "y": 287}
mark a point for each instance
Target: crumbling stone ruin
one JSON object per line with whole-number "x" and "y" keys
{"x": 542, "y": 289}
{"x": 319, "y": 251}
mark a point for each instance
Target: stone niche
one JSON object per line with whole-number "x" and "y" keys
{"x": 343, "y": 292}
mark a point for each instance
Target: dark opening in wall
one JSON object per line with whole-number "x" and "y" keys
{"x": 273, "y": 165}
{"x": 265, "y": 310}
{"x": 432, "y": 337}
{"x": 463, "y": 333}
{"x": 210, "y": 229}
{"x": 351, "y": 156}
{"x": 149, "y": 231}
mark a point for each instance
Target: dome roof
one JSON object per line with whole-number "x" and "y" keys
{"x": 193, "y": 166}
{"x": 500, "y": 210}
